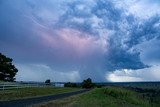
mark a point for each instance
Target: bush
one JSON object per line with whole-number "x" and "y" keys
{"x": 69, "y": 84}
{"x": 48, "y": 82}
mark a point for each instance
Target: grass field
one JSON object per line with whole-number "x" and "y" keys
{"x": 102, "y": 97}
{"x": 32, "y": 92}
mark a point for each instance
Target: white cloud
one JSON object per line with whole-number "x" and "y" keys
{"x": 33, "y": 72}
{"x": 143, "y": 9}
{"x": 41, "y": 72}
{"x": 123, "y": 75}
{"x": 126, "y": 75}
{"x": 139, "y": 8}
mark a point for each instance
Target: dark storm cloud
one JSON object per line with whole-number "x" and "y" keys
{"x": 145, "y": 31}
{"x": 112, "y": 18}
{"x": 86, "y": 38}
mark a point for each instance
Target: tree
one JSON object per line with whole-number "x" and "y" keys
{"x": 7, "y": 69}
{"x": 87, "y": 83}
{"x": 48, "y": 82}
{"x": 69, "y": 84}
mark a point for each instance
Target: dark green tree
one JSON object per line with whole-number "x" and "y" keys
{"x": 69, "y": 84}
{"x": 87, "y": 83}
{"x": 48, "y": 82}
{"x": 7, "y": 69}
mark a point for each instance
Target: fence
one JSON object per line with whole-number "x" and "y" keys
{"x": 16, "y": 85}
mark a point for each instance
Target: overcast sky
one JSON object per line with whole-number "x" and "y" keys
{"x": 71, "y": 40}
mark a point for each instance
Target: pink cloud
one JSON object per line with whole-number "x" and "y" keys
{"x": 70, "y": 43}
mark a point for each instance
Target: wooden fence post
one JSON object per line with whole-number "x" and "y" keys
{"x": 3, "y": 87}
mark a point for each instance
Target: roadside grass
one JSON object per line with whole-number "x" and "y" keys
{"x": 126, "y": 97}
{"x": 101, "y": 97}
{"x": 28, "y": 92}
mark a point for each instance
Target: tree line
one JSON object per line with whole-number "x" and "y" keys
{"x": 85, "y": 84}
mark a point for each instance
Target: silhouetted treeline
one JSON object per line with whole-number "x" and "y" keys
{"x": 69, "y": 84}
{"x": 85, "y": 84}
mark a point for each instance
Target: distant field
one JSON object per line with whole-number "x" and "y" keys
{"x": 109, "y": 97}
{"x": 32, "y": 92}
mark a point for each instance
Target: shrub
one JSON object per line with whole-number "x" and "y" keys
{"x": 48, "y": 82}
{"x": 69, "y": 84}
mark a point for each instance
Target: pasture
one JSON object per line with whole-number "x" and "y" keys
{"x": 28, "y": 92}
{"x": 140, "y": 95}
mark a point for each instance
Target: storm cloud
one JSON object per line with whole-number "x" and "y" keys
{"x": 74, "y": 40}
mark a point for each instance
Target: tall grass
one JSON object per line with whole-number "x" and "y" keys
{"x": 126, "y": 95}
{"x": 102, "y": 97}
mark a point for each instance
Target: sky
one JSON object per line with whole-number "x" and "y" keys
{"x": 72, "y": 40}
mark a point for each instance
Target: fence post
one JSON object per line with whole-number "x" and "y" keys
{"x": 3, "y": 87}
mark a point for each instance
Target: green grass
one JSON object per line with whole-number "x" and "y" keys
{"x": 32, "y": 92}
{"x": 102, "y": 97}
{"x": 126, "y": 97}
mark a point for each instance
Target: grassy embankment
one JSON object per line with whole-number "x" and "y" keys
{"x": 102, "y": 97}
{"x": 32, "y": 92}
